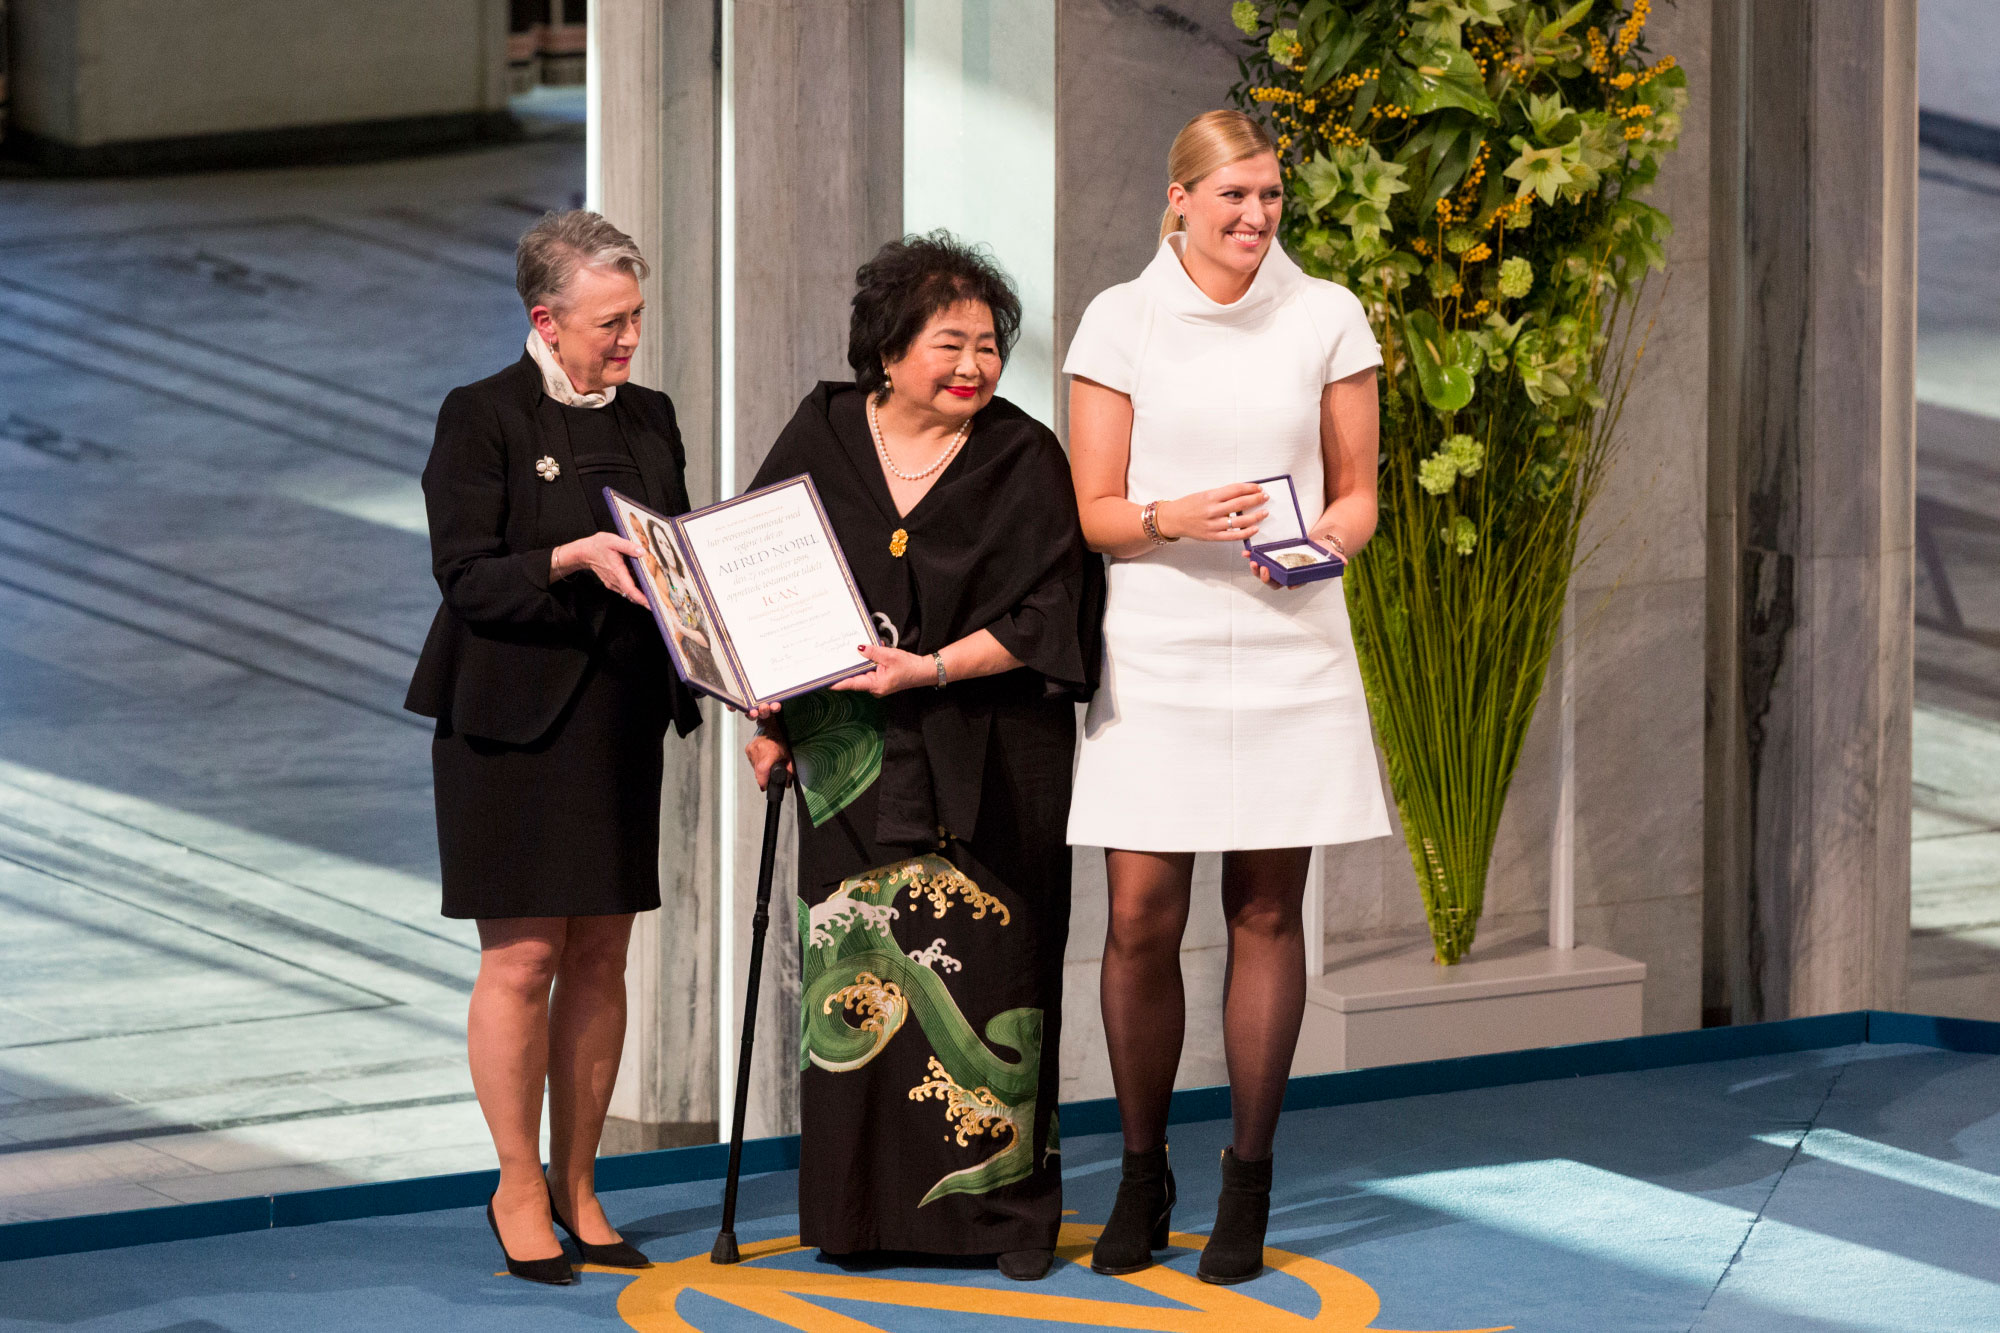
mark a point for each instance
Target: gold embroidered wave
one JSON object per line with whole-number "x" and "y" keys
{"x": 939, "y": 888}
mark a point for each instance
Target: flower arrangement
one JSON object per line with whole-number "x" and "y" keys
{"x": 1471, "y": 170}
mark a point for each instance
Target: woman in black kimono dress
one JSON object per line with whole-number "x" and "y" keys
{"x": 934, "y": 878}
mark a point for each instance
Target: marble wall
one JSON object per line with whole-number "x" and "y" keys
{"x": 91, "y": 72}
{"x": 1639, "y": 666}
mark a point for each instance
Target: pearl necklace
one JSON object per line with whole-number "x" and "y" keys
{"x": 875, "y": 430}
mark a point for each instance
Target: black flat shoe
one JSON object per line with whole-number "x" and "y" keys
{"x": 615, "y": 1255}
{"x": 1235, "y": 1249}
{"x": 1027, "y": 1265}
{"x": 1140, "y": 1219}
{"x": 554, "y": 1272}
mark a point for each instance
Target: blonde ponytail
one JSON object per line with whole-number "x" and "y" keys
{"x": 1210, "y": 141}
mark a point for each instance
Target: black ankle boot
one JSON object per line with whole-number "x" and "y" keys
{"x": 1235, "y": 1249}
{"x": 1141, "y": 1217}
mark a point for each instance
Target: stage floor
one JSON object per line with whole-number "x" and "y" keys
{"x": 1853, "y": 1188}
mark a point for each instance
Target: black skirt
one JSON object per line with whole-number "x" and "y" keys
{"x": 942, "y": 1138}
{"x": 566, "y": 826}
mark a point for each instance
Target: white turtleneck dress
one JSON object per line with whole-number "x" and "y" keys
{"x": 1230, "y": 715}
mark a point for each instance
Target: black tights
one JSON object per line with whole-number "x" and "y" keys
{"x": 1264, "y": 989}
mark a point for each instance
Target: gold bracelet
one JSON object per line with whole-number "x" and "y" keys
{"x": 1149, "y": 523}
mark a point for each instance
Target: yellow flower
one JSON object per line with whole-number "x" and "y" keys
{"x": 1628, "y": 32}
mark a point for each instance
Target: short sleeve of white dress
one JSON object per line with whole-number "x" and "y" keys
{"x": 1343, "y": 330}
{"x": 1105, "y": 348}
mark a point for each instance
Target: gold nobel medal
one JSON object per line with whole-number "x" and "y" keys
{"x": 899, "y": 542}
{"x": 1294, "y": 559}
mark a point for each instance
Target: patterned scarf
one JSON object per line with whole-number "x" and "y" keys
{"x": 555, "y": 380}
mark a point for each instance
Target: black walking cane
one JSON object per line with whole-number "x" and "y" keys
{"x": 774, "y": 803}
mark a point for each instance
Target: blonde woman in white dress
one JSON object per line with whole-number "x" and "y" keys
{"x": 1231, "y": 717}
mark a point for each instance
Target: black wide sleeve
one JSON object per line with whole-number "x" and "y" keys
{"x": 1054, "y": 628}
{"x": 465, "y": 498}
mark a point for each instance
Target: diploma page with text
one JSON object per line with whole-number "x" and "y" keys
{"x": 791, "y": 614}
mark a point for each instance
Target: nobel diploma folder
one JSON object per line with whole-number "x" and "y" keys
{"x": 752, "y": 595}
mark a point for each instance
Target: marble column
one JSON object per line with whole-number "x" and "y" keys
{"x": 1811, "y": 508}
{"x": 815, "y": 135}
{"x": 754, "y": 149}
{"x": 652, "y": 170}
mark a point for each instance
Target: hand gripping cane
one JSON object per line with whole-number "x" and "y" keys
{"x": 774, "y": 804}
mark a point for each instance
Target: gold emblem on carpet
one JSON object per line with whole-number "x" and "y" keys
{"x": 789, "y": 1296}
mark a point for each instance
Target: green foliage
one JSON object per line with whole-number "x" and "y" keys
{"x": 1471, "y": 170}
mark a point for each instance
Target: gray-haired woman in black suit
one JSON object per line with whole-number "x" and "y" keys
{"x": 552, "y": 694}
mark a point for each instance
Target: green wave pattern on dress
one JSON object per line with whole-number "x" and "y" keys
{"x": 860, "y": 988}
{"x": 836, "y": 746}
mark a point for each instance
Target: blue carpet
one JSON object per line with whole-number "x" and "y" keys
{"x": 1845, "y": 1190}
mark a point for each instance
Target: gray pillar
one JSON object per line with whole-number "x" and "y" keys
{"x": 1811, "y": 509}
{"x": 652, "y": 171}
{"x": 754, "y": 149}
{"x": 817, "y": 128}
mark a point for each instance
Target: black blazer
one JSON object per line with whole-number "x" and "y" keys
{"x": 508, "y": 648}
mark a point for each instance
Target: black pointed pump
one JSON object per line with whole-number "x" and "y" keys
{"x": 618, "y": 1254}
{"x": 554, "y": 1272}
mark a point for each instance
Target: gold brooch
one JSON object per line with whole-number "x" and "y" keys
{"x": 546, "y": 468}
{"x": 899, "y": 542}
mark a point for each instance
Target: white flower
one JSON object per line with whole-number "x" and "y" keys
{"x": 546, "y": 468}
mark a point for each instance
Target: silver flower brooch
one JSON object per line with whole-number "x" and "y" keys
{"x": 546, "y": 468}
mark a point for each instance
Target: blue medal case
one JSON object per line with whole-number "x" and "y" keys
{"x": 1278, "y": 535}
